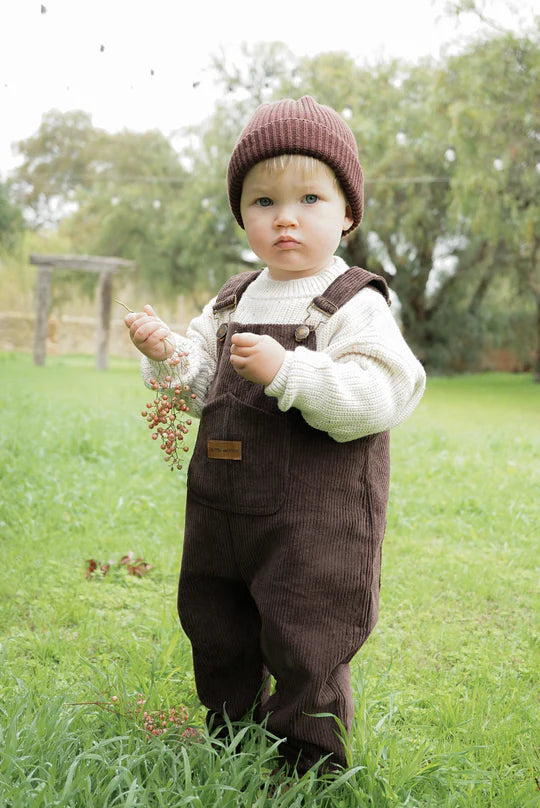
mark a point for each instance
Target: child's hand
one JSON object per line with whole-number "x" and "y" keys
{"x": 149, "y": 334}
{"x": 256, "y": 357}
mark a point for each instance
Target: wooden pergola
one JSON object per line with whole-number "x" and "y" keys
{"x": 106, "y": 267}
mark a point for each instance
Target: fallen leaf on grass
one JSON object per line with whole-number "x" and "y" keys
{"x": 139, "y": 569}
{"x": 133, "y": 565}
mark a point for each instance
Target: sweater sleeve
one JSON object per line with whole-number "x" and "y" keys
{"x": 363, "y": 381}
{"x": 197, "y": 369}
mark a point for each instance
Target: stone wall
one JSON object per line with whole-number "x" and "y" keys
{"x": 67, "y": 334}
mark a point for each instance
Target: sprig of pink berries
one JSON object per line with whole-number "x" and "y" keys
{"x": 154, "y": 722}
{"x": 166, "y": 414}
{"x": 158, "y": 722}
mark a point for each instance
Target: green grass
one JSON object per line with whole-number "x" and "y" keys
{"x": 446, "y": 689}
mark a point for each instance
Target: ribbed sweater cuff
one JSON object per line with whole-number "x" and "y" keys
{"x": 277, "y": 386}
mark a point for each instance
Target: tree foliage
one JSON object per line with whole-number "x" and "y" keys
{"x": 55, "y": 165}
{"x": 493, "y": 94}
{"x": 136, "y": 179}
{"x": 11, "y": 220}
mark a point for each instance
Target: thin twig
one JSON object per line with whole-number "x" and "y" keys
{"x": 124, "y": 305}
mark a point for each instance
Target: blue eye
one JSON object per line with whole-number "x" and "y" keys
{"x": 264, "y": 201}
{"x": 310, "y": 199}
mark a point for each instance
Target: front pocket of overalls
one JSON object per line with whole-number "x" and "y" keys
{"x": 255, "y": 484}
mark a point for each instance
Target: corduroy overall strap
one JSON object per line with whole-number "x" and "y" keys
{"x": 336, "y": 295}
{"x": 232, "y": 291}
{"x": 346, "y": 286}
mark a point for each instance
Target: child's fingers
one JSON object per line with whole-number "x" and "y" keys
{"x": 135, "y": 317}
{"x": 136, "y": 321}
{"x": 239, "y": 360}
{"x": 245, "y": 339}
{"x": 143, "y": 315}
{"x": 151, "y": 331}
{"x": 239, "y": 350}
{"x": 157, "y": 334}
{"x": 143, "y": 327}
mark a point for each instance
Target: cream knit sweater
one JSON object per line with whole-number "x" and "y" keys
{"x": 362, "y": 379}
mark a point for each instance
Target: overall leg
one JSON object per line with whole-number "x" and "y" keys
{"x": 317, "y": 592}
{"x": 308, "y": 698}
{"x": 219, "y": 616}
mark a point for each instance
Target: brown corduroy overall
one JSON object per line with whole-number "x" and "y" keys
{"x": 282, "y": 548}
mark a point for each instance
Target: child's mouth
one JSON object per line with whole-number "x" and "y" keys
{"x": 286, "y": 243}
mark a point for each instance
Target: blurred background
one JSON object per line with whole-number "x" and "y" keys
{"x": 117, "y": 120}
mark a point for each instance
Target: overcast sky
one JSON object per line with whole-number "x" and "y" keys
{"x": 133, "y": 63}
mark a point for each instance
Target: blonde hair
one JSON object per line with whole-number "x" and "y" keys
{"x": 307, "y": 164}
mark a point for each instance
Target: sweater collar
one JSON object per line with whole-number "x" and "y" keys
{"x": 265, "y": 286}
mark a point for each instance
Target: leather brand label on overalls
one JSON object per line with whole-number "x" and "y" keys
{"x": 225, "y": 449}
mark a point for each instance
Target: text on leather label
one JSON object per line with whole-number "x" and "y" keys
{"x": 225, "y": 449}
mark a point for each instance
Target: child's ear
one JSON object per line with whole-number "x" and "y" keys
{"x": 348, "y": 219}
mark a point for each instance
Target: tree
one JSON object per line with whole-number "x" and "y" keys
{"x": 134, "y": 180}
{"x": 11, "y": 220}
{"x": 493, "y": 91}
{"x": 110, "y": 193}
{"x": 55, "y": 165}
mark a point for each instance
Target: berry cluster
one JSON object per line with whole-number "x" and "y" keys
{"x": 155, "y": 722}
{"x": 158, "y": 722}
{"x": 167, "y": 413}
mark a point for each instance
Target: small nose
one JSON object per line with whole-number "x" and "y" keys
{"x": 285, "y": 216}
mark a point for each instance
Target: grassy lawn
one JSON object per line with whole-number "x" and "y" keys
{"x": 446, "y": 689}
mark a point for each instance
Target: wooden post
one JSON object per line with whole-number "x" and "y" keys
{"x": 43, "y": 301}
{"x": 106, "y": 266}
{"x": 104, "y": 319}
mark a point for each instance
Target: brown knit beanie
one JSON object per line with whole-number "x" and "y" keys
{"x": 298, "y": 127}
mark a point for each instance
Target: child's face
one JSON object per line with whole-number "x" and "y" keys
{"x": 293, "y": 218}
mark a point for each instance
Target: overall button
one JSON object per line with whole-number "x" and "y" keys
{"x": 301, "y": 333}
{"x": 221, "y": 333}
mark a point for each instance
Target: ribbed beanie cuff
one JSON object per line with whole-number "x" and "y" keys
{"x": 298, "y": 127}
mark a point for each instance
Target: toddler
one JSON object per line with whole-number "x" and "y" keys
{"x": 300, "y": 371}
